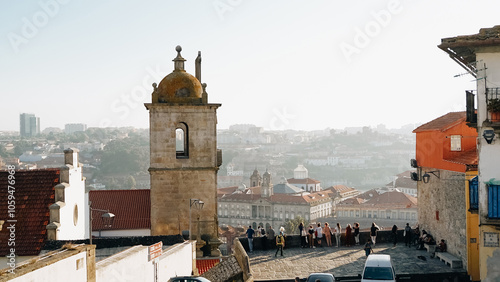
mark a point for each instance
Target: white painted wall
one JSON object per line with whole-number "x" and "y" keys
{"x": 177, "y": 260}
{"x": 129, "y": 265}
{"x": 122, "y": 233}
{"x": 61, "y": 271}
{"x": 133, "y": 265}
{"x": 74, "y": 196}
{"x": 489, "y": 154}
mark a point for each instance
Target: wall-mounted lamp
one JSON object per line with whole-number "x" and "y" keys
{"x": 426, "y": 177}
{"x": 198, "y": 204}
{"x": 489, "y": 135}
{"x": 107, "y": 219}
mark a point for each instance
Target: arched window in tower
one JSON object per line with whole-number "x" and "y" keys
{"x": 182, "y": 141}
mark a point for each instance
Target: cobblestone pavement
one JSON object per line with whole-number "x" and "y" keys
{"x": 341, "y": 262}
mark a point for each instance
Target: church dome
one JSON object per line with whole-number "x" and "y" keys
{"x": 179, "y": 86}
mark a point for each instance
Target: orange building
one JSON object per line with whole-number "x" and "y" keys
{"x": 446, "y": 143}
{"x": 446, "y": 161}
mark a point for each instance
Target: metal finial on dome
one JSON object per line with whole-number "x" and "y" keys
{"x": 179, "y": 60}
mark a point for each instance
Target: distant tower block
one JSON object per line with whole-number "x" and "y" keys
{"x": 184, "y": 156}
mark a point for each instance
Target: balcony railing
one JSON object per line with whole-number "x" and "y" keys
{"x": 492, "y": 93}
{"x": 493, "y": 99}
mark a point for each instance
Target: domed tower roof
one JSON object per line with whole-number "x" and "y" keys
{"x": 179, "y": 86}
{"x": 255, "y": 172}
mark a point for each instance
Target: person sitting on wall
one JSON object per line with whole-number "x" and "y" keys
{"x": 426, "y": 238}
{"x": 441, "y": 247}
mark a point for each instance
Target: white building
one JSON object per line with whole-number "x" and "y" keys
{"x": 74, "y": 127}
{"x": 479, "y": 54}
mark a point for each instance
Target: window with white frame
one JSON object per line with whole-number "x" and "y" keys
{"x": 456, "y": 143}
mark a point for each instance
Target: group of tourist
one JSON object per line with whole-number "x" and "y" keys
{"x": 313, "y": 236}
{"x": 319, "y": 235}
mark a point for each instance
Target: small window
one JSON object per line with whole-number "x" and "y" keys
{"x": 181, "y": 141}
{"x": 75, "y": 215}
{"x": 493, "y": 201}
{"x": 456, "y": 143}
{"x": 473, "y": 194}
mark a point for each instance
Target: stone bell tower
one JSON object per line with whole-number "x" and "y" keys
{"x": 184, "y": 156}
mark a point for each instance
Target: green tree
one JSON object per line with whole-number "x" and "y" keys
{"x": 22, "y": 146}
{"x": 126, "y": 156}
{"x": 112, "y": 184}
{"x": 79, "y": 137}
{"x": 292, "y": 225}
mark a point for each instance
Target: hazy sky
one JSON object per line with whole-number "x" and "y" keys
{"x": 277, "y": 64}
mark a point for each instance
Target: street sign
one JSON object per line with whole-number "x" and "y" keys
{"x": 155, "y": 250}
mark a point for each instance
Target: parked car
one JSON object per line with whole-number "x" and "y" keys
{"x": 188, "y": 279}
{"x": 378, "y": 267}
{"x": 323, "y": 277}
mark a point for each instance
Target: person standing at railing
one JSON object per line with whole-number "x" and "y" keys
{"x": 373, "y": 233}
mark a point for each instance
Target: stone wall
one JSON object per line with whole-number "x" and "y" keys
{"x": 175, "y": 180}
{"x": 227, "y": 270}
{"x": 442, "y": 210}
{"x": 243, "y": 260}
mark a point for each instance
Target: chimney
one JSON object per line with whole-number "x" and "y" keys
{"x": 71, "y": 157}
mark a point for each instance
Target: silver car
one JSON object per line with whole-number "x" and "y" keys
{"x": 323, "y": 277}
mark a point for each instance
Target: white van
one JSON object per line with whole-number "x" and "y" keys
{"x": 378, "y": 267}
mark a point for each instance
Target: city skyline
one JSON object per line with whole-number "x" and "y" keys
{"x": 279, "y": 65}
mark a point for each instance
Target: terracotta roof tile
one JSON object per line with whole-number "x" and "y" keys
{"x": 226, "y": 190}
{"x": 132, "y": 208}
{"x": 205, "y": 264}
{"x": 34, "y": 193}
{"x": 467, "y": 158}
{"x": 351, "y": 201}
{"x": 442, "y": 123}
{"x": 394, "y": 199}
{"x": 403, "y": 180}
{"x": 303, "y": 181}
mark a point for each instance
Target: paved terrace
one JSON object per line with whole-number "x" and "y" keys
{"x": 346, "y": 262}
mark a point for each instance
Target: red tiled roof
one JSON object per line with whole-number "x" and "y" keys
{"x": 132, "y": 208}
{"x": 317, "y": 196}
{"x": 303, "y": 181}
{"x": 286, "y": 198}
{"x": 403, "y": 180}
{"x": 442, "y": 123}
{"x": 34, "y": 193}
{"x": 466, "y": 158}
{"x": 352, "y": 201}
{"x": 226, "y": 190}
{"x": 368, "y": 194}
{"x": 205, "y": 264}
{"x": 393, "y": 199}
